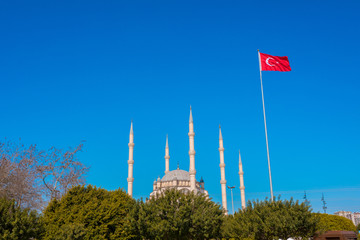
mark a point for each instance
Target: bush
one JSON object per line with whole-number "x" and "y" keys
{"x": 88, "y": 213}
{"x": 176, "y": 215}
{"x": 17, "y": 223}
{"x": 278, "y": 219}
{"x": 330, "y": 222}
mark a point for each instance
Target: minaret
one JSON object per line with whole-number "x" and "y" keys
{"x": 192, "y": 171}
{"x": 222, "y": 172}
{"x": 242, "y": 187}
{"x": 167, "y": 157}
{"x": 130, "y": 178}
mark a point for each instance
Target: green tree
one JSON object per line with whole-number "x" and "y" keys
{"x": 88, "y": 213}
{"x": 17, "y": 223}
{"x": 71, "y": 231}
{"x": 330, "y": 222}
{"x": 278, "y": 219}
{"x": 177, "y": 215}
{"x": 133, "y": 226}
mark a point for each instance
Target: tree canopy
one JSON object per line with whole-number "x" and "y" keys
{"x": 88, "y": 213}
{"x": 17, "y": 223}
{"x": 177, "y": 215}
{"x": 18, "y": 175}
{"x": 265, "y": 220}
{"x": 330, "y": 222}
{"x": 32, "y": 176}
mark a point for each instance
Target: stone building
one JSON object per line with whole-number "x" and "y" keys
{"x": 354, "y": 217}
{"x": 185, "y": 180}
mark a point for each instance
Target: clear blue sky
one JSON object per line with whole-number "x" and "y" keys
{"x": 73, "y": 71}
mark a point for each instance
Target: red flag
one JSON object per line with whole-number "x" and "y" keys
{"x": 274, "y": 63}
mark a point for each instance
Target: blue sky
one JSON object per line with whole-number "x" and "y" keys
{"x": 73, "y": 71}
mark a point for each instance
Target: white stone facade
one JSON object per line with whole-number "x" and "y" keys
{"x": 222, "y": 172}
{"x": 242, "y": 187}
{"x": 354, "y": 217}
{"x": 178, "y": 179}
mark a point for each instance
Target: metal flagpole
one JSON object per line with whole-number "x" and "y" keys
{"x": 266, "y": 136}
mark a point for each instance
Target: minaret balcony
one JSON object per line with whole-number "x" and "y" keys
{"x": 192, "y": 172}
{"x": 192, "y": 152}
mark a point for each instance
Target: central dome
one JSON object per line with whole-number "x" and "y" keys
{"x": 176, "y": 174}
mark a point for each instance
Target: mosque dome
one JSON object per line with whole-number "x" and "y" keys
{"x": 176, "y": 175}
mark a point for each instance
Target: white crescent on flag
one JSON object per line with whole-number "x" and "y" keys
{"x": 274, "y": 63}
{"x": 267, "y": 61}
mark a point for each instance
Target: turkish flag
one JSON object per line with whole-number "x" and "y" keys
{"x": 274, "y": 63}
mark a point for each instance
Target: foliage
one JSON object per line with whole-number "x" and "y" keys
{"x": 330, "y": 222}
{"x": 60, "y": 170}
{"x": 71, "y": 231}
{"x": 133, "y": 226}
{"x": 278, "y": 219}
{"x": 32, "y": 176}
{"x": 17, "y": 223}
{"x": 18, "y": 175}
{"x": 88, "y": 213}
{"x": 176, "y": 215}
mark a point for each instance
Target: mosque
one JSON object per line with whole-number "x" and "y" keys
{"x": 182, "y": 180}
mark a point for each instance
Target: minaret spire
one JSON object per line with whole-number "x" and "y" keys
{"x": 222, "y": 172}
{"x": 220, "y": 135}
{"x": 131, "y": 144}
{"x": 192, "y": 171}
{"x": 131, "y": 128}
{"x": 191, "y": 117}
{"x": 167, "y": 156}
{"x": 242, "y": 187}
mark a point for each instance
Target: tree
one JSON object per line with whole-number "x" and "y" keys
{"x": 330, "y": 222}
{"x": 88, "y": 213}
{"x": 32, "y": 176}
{"x": 177, "y": 215}
{"x": 60, "y": 170}
{"x": 17, "y": 223}
{"x": 265, "y": 220}
{"x": 18, "y": 175}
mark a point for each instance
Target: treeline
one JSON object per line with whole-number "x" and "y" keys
{"x": 87, "y": 212}
{"x": 42, "y": 196}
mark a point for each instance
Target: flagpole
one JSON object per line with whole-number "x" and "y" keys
{"x": 266, "y": 136}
